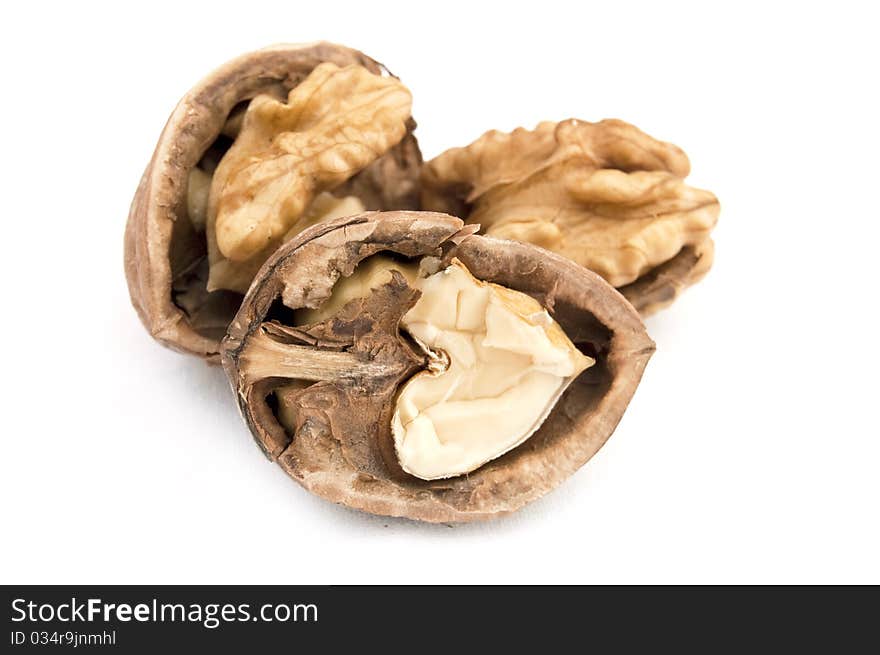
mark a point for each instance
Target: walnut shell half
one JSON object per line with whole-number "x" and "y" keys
{"x": 166, "y": 260}
{"x": 351, "y": 366}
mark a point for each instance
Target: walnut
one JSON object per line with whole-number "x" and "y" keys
{"x": 235, "y": 111}
{"x": 605, "y": 195}
{"x": 366, "y": 345}
{"x": 333, "y": 125}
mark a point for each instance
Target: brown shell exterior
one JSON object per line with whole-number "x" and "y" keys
{"x": 338, "y": 457}
{"x": 157, "y": 218}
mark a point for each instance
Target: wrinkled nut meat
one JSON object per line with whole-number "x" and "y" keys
{"x": 267, "y": 145}
{"x": 605, "y": 195}
{"x": 338, "y": 121}
{"x": 502, "y": 363}
{"x": 371, "y": 358}
{"x": 493, "y": 355}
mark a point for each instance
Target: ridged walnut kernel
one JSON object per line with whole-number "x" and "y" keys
{"x": 606, "y": 195}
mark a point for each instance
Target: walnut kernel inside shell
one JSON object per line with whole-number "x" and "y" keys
{"x": 320, "y": 397}
{"x": 169, "y": 264}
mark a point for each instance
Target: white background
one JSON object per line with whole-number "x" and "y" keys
{"x": 750, "y": 452}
